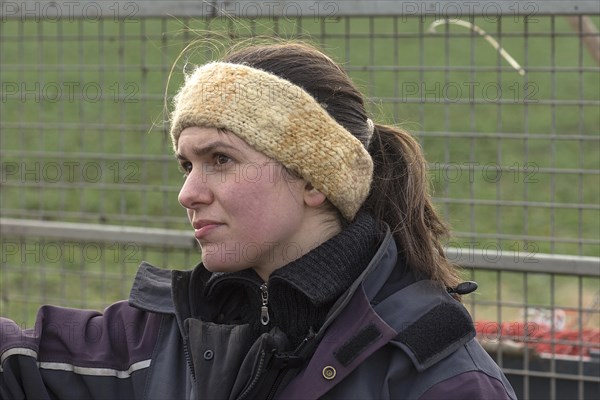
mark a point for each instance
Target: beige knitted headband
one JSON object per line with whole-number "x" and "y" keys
{"x": 280, "y": 120}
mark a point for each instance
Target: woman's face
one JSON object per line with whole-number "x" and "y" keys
{"x": 246, "y": 210}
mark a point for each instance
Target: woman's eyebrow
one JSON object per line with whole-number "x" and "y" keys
{"x": 201, "y": 150}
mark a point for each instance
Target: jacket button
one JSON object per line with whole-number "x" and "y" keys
{"x": 208, "y": 355}
{"x": 329, "y": 372}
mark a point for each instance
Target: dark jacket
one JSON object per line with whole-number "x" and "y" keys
{"x": 382, "y": 339}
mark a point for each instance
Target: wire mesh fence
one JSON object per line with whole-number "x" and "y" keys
{"x": 503, "y": 96}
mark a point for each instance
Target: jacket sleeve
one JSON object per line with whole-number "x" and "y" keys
{"x": 473, "y": 385}
{"x": 77, "y": 354}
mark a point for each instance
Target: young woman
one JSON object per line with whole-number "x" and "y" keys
{"x": 322, "y": 276}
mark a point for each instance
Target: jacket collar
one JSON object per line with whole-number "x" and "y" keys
{"x": 371, "y": 279}
{"x": 336, "y": 262}
{"x": 151, "y": 290}
{"x": 352, "y": 332}
{"x": 152, "y": 286}
{"x": 421, "y": 319}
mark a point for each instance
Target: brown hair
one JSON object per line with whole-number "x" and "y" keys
{"x": 400, "y": 190}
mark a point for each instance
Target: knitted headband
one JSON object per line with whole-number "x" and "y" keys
{"x": 280, "y": 120}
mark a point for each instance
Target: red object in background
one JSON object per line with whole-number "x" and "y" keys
{"x": 540, "y": 337}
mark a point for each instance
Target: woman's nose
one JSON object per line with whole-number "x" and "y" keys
{"x": 195, "y": 191}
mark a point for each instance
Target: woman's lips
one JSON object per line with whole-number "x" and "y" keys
{"x": 204, "y": 229}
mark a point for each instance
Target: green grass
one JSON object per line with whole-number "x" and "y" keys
{"x": 121, "y": 133}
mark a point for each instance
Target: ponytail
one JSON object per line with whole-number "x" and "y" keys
{"x": 400, "y": 197}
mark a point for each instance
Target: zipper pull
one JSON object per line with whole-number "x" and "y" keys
{"x": 264, "y": 310}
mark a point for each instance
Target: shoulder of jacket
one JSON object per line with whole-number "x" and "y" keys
{"x": 431, "y": 325}
{"x": 463, "y": 385}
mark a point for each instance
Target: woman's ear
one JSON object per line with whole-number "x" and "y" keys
{"x": 313, "y": 197}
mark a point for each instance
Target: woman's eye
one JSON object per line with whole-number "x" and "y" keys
{"x": 185, "y": 168}
{"x": 221, "y": 159}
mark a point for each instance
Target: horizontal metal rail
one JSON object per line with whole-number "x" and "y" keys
{"x": 466, "y": 257}
{"x": 129, "y": 10}
{"x": 350, "y": 68}
{"x": 97, "y": 233}
{"x": 525, "y": 261}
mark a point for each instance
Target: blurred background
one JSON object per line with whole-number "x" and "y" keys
{"x": 503, "y": 96}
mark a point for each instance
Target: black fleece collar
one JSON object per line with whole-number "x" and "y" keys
{"x": 300, "y": 293}
{"x": 322, "y": 274}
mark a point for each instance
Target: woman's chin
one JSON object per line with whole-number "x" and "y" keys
{"x": 213, "y": 265}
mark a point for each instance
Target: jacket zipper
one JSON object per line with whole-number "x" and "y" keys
{"x": 282, "y": 374}
{"x": 257, "y": 376}
{"x": 264, "y": 309}
{"x": 188, "y": 358}
{"x": 276, "y": 384}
